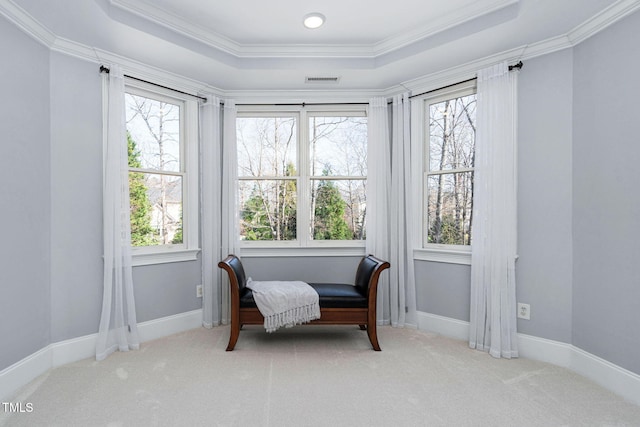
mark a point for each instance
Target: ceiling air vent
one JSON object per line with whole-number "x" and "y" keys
{"x": 323, "y": 79}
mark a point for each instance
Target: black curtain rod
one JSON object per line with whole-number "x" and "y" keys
{"x": 104, "y": 69}
{"x": 303, "y": 104}
{"x": 516, "y": 66}
{"x": 511, "y": 68}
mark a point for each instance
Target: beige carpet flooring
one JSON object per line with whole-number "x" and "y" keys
{"x": 315, "y": 376}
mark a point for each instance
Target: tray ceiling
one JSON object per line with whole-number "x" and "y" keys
{"x": 365, "y": 45}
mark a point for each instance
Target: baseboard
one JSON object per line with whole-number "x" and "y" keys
{"x": 158, "y": 328}
{"x": 23, "y": 372}
{"x": 619, "y": 380}
{"x": 545, "y": 350}
{"x": 607, "y": 374}
{"x": 613, "y": 377}
{"x": 68, "y": 351}
{"x": 446, "y": 326}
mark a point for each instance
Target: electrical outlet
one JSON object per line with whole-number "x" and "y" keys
{"x": 199, "y": 291}
{"x": 524, "y": 311}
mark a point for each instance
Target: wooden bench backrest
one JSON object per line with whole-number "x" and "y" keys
{"x": 237, "y": 273}
{"x": 368, "y": 269}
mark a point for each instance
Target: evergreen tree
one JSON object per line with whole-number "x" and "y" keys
{"x": 447, "y": 231}
{"x": 142, "y": 233}
{"x": 255, "y": 219}
{"x": 330, "y": 223}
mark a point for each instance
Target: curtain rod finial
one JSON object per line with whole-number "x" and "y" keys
{"x": 516, "y": 66}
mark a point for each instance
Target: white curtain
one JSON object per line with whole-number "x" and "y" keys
{"x": 220, "y": 235}
{"x": 493, "y": 253}
{"x": 401, "y": 273}
{"x": 378, "y": 189}
{"x": 118, "y": 326}
{"x": 230, "y": 234}
{"x": 210, "y": 164}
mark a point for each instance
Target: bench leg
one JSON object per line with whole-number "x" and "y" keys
{"x": 373, "y": 336}
{"x": 363, "y": 327}
{"x": 233, "y": 336}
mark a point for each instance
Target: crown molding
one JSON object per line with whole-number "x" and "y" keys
{"x": 461, "y": 72}
{"x": 27, "y": 23}
{"x": 177, "y": 24}
{"x": 304, "y": 95}
{"x": 602, "y": 20}
{"x": 599, "y": 22}
{"x": 43, "y": 35}
{"x": 475, "y": 11}
{"x": 132, "y": 67}
{"x": 174, "y": 23}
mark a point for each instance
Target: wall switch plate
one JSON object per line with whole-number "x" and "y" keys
{"x": 524, "y": 311}
{"x": 199, "y": 291}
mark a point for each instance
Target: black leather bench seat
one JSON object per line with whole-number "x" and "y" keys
{"x": 331, "y": 295}
{"x": 340, "y": 303}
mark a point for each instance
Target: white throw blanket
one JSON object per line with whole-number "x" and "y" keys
{"x": 285, "y": 303}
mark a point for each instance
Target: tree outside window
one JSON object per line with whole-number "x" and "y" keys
{"x": 302, "y": 186}
{"x": 449, "y": 178}
{"x": 155, "y": 170}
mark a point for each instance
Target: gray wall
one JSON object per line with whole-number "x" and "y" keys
{"x": 25, "y": 194}
{"x": 606, "y": 198}
{"x": 544, "y": 267}
{"x": 76, "y": 197}
{"x": 51, "y": 262}
{"x": 166, "y": 289}
{"x": 578, "y": 206}
{"x": 76, "y": 189}
{"x": 544, "y": 272}
{"x": 443, "y": 289}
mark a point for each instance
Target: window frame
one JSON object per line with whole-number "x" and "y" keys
{"x": 304, "y": 245}
{"x": 189, "y": 171}
{"x": 420, "y": 140}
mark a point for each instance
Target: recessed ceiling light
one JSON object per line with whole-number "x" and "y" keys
{"x": 313, "y": 20}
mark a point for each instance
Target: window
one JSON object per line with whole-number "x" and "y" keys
{"x": 161, "y": 132}
{"x": 450, "y": 127}
{"x": 302, "y": 177}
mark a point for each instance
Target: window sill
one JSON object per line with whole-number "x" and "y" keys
{"x": 444, "y": 255}
{"x": 326, "y": 251}
{"x": 164, "y": 256}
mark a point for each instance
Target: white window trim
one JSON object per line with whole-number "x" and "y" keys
{"x": 299, "y": 251}
{"x": 304, "y": 245}
{"x": 189, "y": 249}
{"x": 444, "y": 253}
{"x": 451, "y": 254}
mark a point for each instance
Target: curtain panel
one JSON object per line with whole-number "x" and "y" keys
{"x": 402, "y": 275}
{"x": 118, "y": 326}
{"x": 210, "y": 165}
{"x": 378, "y": 189}
{"x": 494, "y": 245}
{"x": 219, "y": 211}
{"x": 230, "y": 233}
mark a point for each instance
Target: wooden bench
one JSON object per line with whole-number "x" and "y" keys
{"x": 340, "y": 303}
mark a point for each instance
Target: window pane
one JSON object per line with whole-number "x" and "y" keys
{"x": 154, "y": 126}
{"x": 449, "y": 208}
{"x": 267, "y": 209}
{"x": 266, "y": 146}
{"x": 156, "y": 209}
{"x": 338, "y": 146}
{"x": 452, "y": 133}
{"x": 338, "y": 209}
